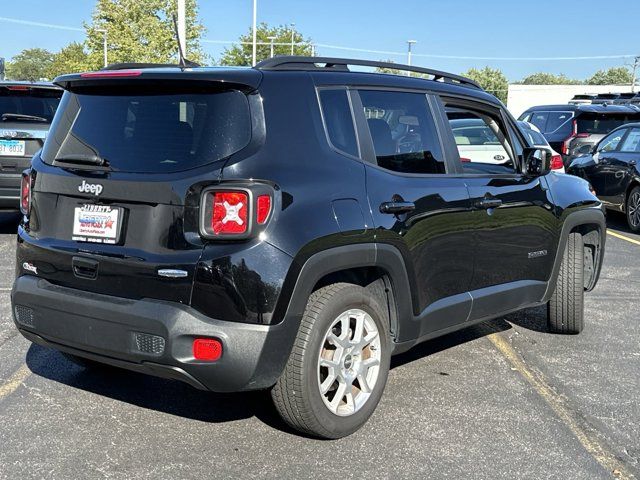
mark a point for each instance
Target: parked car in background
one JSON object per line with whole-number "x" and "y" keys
{"x": 477, "y": 141}
{"x": 624, "y": 98}
{"x": 612, "y": 169}
{"x": 536, "y": 138}
{"x": 569, "y": 128}
{"x": 26, "y": 111}
{"x": 603, "y": 98}
{"x": 582, "y": 99}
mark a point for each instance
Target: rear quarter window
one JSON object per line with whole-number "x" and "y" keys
{"x": 338, "y": 120}
{"x": 150, "y": 133}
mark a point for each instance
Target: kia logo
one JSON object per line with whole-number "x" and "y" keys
{"x": 94, "y": 188}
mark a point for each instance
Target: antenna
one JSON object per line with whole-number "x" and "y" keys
{"x": 183, "y": 62}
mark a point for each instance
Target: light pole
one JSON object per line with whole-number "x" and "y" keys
{"x": 636, "y": 64}
{"x": 409, "y": 44}
{"x": 271, "y": 39}
{"x": 255, "y": 33}
{"x": 104, "y": 43}
{"x": 292, "y": 34}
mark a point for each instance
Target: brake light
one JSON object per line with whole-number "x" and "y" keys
{"x": 574, "y": 133}
{"x": 263, "y": 209}
{"x": 556, "y": 162}
{"x": 112, "y": 74}
{"x": 25, "y": 194}
{"x": 21, "y": 88}
{"x": 229, "y": 212}
{"x": 465, "y": 160}
{"x": 207, "y": 349}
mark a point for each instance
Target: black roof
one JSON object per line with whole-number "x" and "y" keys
{"x": 20, "y": 83}
{"x": 597, "y": 108}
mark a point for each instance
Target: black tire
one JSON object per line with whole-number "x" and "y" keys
{"x": 85, "y": 362}
{"x": 297, "y": 395}
{"x": 566, "y": 307}
{"x": 632, "y": 209}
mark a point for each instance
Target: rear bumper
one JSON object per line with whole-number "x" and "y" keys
{"x": 108, "y": 329}
{"x": 10, "y": 191}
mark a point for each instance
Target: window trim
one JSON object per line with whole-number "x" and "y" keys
{"x": 368, "y": 150}
{"x": 353, "y": 121}
{"x": 488, "y": 108}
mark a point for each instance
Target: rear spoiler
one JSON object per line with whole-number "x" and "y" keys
{"x": 244, "y": 79}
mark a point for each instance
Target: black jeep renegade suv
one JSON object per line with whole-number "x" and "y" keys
{"x": 289, "y": 227}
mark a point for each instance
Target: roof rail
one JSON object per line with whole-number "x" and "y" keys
{"x": 133, "y": 65}
{"x": 342, "y": 64}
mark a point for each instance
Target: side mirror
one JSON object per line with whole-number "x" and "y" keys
{"x": 586, "y": 149}
{"x": 536, "y": 161}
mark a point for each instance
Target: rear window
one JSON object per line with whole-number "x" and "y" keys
{"x": 150, "y": 133}
{"x": 31, "y": 103}
{"x": 601, "y": 124}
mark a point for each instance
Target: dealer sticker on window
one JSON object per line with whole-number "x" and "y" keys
{"x": 96, "y": 223}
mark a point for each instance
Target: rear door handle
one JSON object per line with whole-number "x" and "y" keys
{"x": 84, "y": 268}
{"x": 488, "y": 203}
{"x": 397, "y": 207}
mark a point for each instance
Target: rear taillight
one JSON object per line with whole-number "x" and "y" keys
{"x": 235, "y": 213}
{"x": 25, "y": 193}
{"x": 556, "y": 162}
{"x": 566, "y": 144}
{"x": 111, "y": 74}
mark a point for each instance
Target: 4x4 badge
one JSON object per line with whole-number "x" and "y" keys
{"x": 94, "y": 188}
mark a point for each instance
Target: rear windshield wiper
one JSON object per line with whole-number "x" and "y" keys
{"x": 19, "y": 116}
{"x": 79, "y": 159}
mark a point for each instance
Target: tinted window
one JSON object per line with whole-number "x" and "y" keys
{"x": 610, "y": 143}
{"x": 481, "y": 141}
{"x": 601, "y": 124}
{"x": 535, "y": 138}
{"x": 338, "y": 120}
{"x": 632, "y": 142}
{"x": 41, "y": 103}
{"x": 539, "y": 119}
{"x": 403, "y": 131}
{"x": 153, "y": 133}
{"x": 556, "y": 119}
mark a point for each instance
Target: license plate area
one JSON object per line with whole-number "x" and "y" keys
{"x": 12, "y": 148}
{"x": 97, "y": 224}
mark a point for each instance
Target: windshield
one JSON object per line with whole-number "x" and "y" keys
{"x": 32, "y": 102}
{"x": 601, "y": 124}
{"x": 149, "y": 133}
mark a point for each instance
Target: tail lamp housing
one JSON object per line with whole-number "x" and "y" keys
{"x": 556, "y": 162}
{"x": 25, "y": 192}
{"x": 235, "y": 212}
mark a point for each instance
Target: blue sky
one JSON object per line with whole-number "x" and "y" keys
{"x": 490, "y": 28}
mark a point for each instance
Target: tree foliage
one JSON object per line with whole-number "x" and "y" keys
{"x": 141, "y": 31}
{"x": 240, "y": 54}
{"x": 31, "y": 64}
{"x": 492, "y": 80}
{"x": 543, "y": 78}
{"x": 613, "y": 76}
{"x": 71, "y": 59}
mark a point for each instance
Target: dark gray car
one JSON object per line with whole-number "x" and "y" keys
{"x": 26, "y": 111}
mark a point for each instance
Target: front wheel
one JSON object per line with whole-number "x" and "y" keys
{"x": 633, "y": 209}
{"x": 566, "y": 307}
{"x": 338, "y": 367}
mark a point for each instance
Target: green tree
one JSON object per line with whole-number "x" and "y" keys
{"x": 542, "y": 78}
{"x": 71, "y": 59}
{"x": 141, "y": 31}
{"x": 395, "y": 71}
{"x": 240, "y": 54}
{"x": 613, "y": 76}
{"x": 31, "y": 64}
{"x": 492, "y": 80}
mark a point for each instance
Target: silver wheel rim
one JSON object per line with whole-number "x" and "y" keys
{"x": 634, "y": 209}
{"x": 349, "y": 362}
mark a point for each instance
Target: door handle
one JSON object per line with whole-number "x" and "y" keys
{"x": 488, "y": 203}
{"x": 84, "y": 268}
{"x": 397, "y": 207}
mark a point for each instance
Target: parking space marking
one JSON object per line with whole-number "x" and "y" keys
{"x": 622, "y": 237}
{"x": 15, "y": 381}
{"x": 589, "y": 440}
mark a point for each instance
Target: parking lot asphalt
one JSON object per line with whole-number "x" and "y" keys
{"x": 504, "y": 399}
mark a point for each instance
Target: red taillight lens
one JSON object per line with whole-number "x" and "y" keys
{"x": 25, "y": 194}
{"x": 263, "y": 209}
{"x": 207, "y": 349}
{"x": 556, "y": 162}
{"x": 465, "y": 160}
{"x": 112, "y": 74}
{"x": 230, "y": 213}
